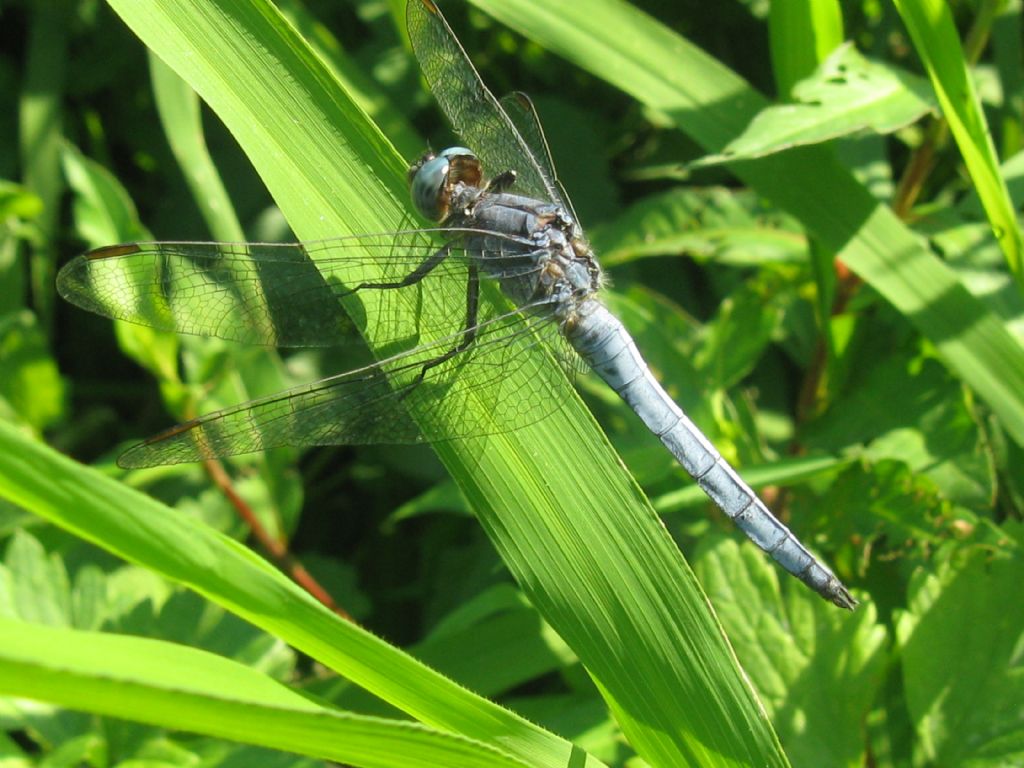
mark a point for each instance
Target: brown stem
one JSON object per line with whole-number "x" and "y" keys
{"x": 276, "y": 548}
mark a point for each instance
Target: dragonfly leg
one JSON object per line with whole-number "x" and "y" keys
{"x": 468, "y": 333}
{"x": 412, "y": 278}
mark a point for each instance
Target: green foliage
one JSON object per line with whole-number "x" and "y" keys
{"x": 815, "y": 280}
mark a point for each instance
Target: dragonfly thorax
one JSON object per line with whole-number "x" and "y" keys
{"x": 533, "y": 247}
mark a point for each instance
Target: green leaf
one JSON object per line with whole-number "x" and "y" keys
{"x": 19, "y": 209}
{"x": 742, "y": 328}
{"x": 848, "y": 94}
{"x": 818, "y": 671}
{"x": 41, "y": 592}
{"x": 366, "y": 91}
{"x": 960, "y": 641}
{"x": 31, "y": 389}
{"x": 493, "y": 643}
{"x": 177, "y": 687}
{"x": 443, "y": 496}
{"x": 803, "y": 33}
{"x": 104, "y": 213}
{"x": 178, "y": 107}
{"x": 40, "y": 132}
{"x": 18, "y": 202}
{"x": 725, "y": 226}
{"x": 911, "y": 410}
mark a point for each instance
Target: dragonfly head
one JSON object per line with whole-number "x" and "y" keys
{"x": 433, "y": 177}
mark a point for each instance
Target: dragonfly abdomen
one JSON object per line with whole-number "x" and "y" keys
{"x": 604, "y": 343}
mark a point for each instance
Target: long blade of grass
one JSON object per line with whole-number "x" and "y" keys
{"x": 931, "y": 27}
{"x": 173, "y": 686}
{"x": 41, "y": 133}
{"x": 803, "y": 34}
{"x": 178, "y": 108}
{"x": 713, "y": 105}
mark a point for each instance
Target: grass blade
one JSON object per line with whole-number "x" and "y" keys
{"x": 931, "y": 27}
{"x": 178, "y": 687}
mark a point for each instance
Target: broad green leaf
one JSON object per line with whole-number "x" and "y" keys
{"x": 960, "y": 640}
{"x": 911, "y": 410}
{"x": 931, "y": 27}
{"x": 848, "y": 94}
{"x": 366, "y": 91}
{"x": 729, "y": 227}
{"x": 37, "y": 585}
{"x": 178, "y": 687}
{"x": 818, "y": 671}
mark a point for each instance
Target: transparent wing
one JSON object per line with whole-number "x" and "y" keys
{"x": 464, "y": 395}
{"x": 520, "y": 110}
{"x": 471, "y": 108}
{"x": 291, "y": 294}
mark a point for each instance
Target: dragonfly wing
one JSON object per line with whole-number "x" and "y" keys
{"x": 286, "y": 294}
{"x": 468, "y": 394}
{"x": 471, "y": 108}
{"x": 521, "y": 111}
{"x": 253, "y": 293}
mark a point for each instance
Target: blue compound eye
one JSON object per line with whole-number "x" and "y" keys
{"x": 452, "y": 151}
{"x": 429, "y": 188}
{"x": 430, "y": 183}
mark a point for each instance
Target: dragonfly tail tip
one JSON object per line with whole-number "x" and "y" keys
{"x": 841, "y": 597}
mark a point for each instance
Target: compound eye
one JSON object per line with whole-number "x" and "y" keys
{"x": 453, "y": 151}
{"x": 433, "y": 179}
{"x": 429, "y": 188}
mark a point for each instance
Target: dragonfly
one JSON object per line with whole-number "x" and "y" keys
{"x": 507, "y": 248}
